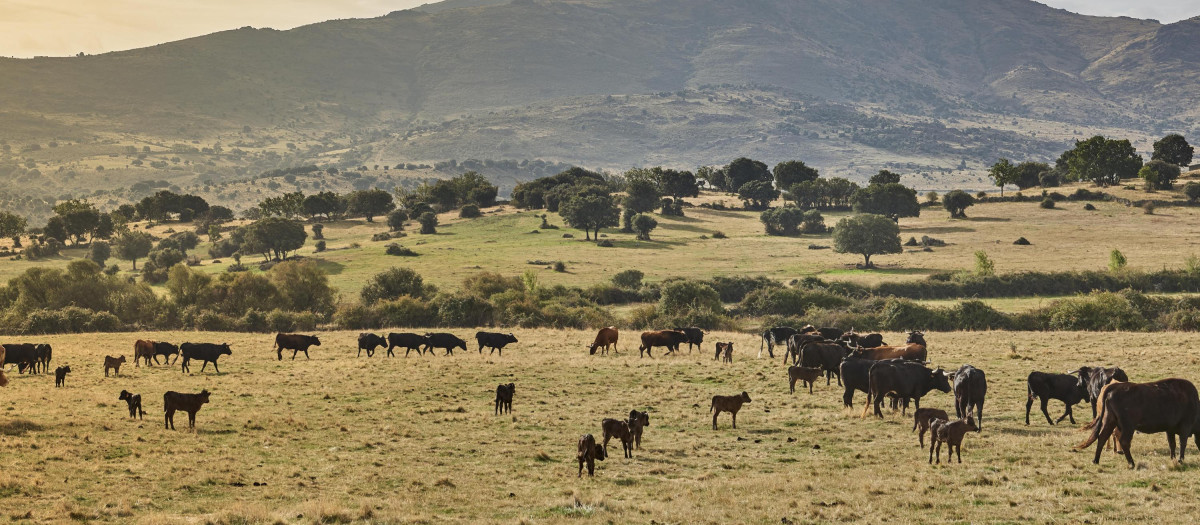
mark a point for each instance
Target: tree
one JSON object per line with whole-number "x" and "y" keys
{"x": 326, "y": 203}
{"x": 643, "y": 224}
{"x": 1173, "y": 149}
{"x": 429, "y": 222}
{"x": 303, "y": 287}
{"x": 681, "y": 296}
{"x": 287, "y": 205}
{"x": 867, "y": 235}
{"x": 629, "y": 279}
{"x": 274, "y": 237}
{"x": 370, "y": 203}
{"x": 743, "y": 170}
{"x": 186, "y": 241}
{"x": 100, "y": 252}
{"x": 1103, "y": 161}
{"x": 884, "y": 177}
{"x": 758, "y": 194}
{"x": 1003, "y": 173}
{"x": 782, "y": 221}
{"x": 642, "y": 192}
{"x": 56, "y": 229}
{"x": 1192, "y": 191}
{"x": 892, "y": 200}
{"x": 956, "y": 202}
{"x": 1159, "y": 175}
{"x": 589, "y": 210}
{"x": 396, "y": 219}
{"x": 393, "y": 284}
{"x": 12, "y": 226}
{"x": 677, "y": 184}
{"x": 792, "y": 172}
{"x": 1029, "y": 174}
{"x": 132, "y": 246}
{"x": 714, "y": 176}
{"x": 813, "y": 222}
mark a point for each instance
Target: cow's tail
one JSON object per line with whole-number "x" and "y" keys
{"x": 1099, "y": 407}
{"x": 1101, "y": 415}
{"x": 714, "y": 404}
{"x": 870, "y": 389}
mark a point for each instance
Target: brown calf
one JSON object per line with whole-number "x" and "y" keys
{"x": 731, "y": 404}
{"x": 620, "y": 430}
{"x": 607, "y": 337}
{"x": 923, "y": 417}
{"x": 142, "y": 350}
{"x": 114, "y": 363}
{"x": 589, "y": 452}
{"x": 637, "y": 422}
{"x": 951, "y": 433}
{"x": 189, "y": 403}
{"x": 806, "y": 374}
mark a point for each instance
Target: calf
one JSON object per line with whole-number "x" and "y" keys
{"x": 142, "y": 350}
{"x": 670, "y": 339}
{"x": 695, "y": 337}
{"x": 296, "y": 343}
{"x": 207, "y": 352}
{"x": 44, "y": 352}
{"x": 1063, "y": 387}
{"x": 589, "y": 452}
{"x": 60, "y": 376}
{"x": 923, "y": 418}
{"x": 189, "y": 403}
{"x": 727, "y": 350}
{"x": 135, "y": 404}
{"x": 494, "y": 341}
{"x": 951, "y": 433}
{"x": 970, "y": 387}
{"x": 606, "y": 337}
{"x": 370, "y": 342}
{"x": 408, "y": 341}
{"x": 620, "y": 430}
{"x": 444, "y": 340}
{"x": 113, "y": 363}
{"x": 731, "y": 404}
{"x": 638, "y": 421}
{"x": 775, "y": 336}
{"x": 800, "y": 373}
{"x": 504, "y": 396}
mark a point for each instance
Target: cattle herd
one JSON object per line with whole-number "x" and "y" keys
{"x": 859, "y": 363}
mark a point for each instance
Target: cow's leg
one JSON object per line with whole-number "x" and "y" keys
{"x": 192, "y": 419}
{"x": 810, "y": 385}
{"x": 215, "y": 367}
{"x": 734, "y": 419}
{"x": 879, "y": 406}
{"x": 203, "y": 366}
{"x": 939, "y": 452}
{"x": 958, "y": 451}
{"x": 1071, "y": 415}
{"x": 1106, "y": 430}
{"x": 979, "y": 417}
{"x": 931, "y": 443}
{"x": 581, "y": 468}
{"x": 1171, "y": 443}
{"x": 279, "y": 352}
{"x": 1046, "y": 412}
{"x": 848, "y": 398}
{"x": 1126, "y": 441}
{"x": 715, "y": 412}
{"x": 1183, "y": 437}
{"x": 792, "y": 384}
{"x": 169, "y": 421}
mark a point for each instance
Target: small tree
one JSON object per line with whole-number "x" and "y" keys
{"x": 429, "y": 222}
{"x": 956, "y": 202}
{"x": 12, "y": 226}
{"x": 1173, "y": 149}
{"x": 1116, "y": 261}
{"x": 1192, "y": 191}
{"x": 884, "y": 177}
{"x": 931, "y": 197}
{"x": 631, "y": 279}
{"x": 1159, "y": 175}
{"x": 591, "y": 209}
{"x": 782, "y": 221}
{"x": 318, "y": 230}
{"x": 100, "y": 252}
{"x": 867, "y": 234}
{"x": 643, "y": 224}
{"x": 793, "y": 172}
{"x": 984, "y": 266}
{"x": 758, "y": 194}
{"x": 1102, "y": 161}
{"x": 214, "y": 233}
{"x": 370, "y": 203}
{"x": 393, "y": 284}
{"x": 812, "y": 222}
{"x": 396, "y": 218}
{"x": 469, "y": 211}
{"x": 681, "y": 296}
{"x": 1002, "y": 173}
{"x": 132, "y": 246}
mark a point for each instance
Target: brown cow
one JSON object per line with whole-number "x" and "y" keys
{"x": 951, "y": 433}
{"x": 731, "y": 404}
{"x": 607, "y": 337}
{"x": 914, "y": 350}
{"x": 1167, "y": 405}
{"x": 142, "y": 350}
{"x": 620, "y": 430}
{"x": 727, "y": 350}
{"x": 589, "y": 452}
{"x": 668, "y": 338}
{"x": 189, "y": 403}
{"x": 114, "y": 363}
{"x": 800, "y": 373}
{"x": 923, "y": 418}
{"x": 3, "y": 378}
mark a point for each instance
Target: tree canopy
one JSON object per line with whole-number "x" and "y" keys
{"x": 891, "y": 200}
{"x": 1103, "y": 161}
{"x": 274, "y": 237}
{"x": 1173, "y": 149}
{"x": 867, "y": 234}
{"x": 1003, "y": 173}
{"x": 743, "y": 170}
{"x": 132, "y": 246}
{"x": 956, "y": 202}
{"x": 793, "y": 172}
{"x": 370, "y": 203}
{"x": 884, "y": 177}
{"x": 758, "y": 194}
{"x": 589, "y": 210}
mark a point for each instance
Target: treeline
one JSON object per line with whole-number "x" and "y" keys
{"x": 1103, "y": 161}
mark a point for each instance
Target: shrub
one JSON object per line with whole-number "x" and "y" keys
{"x": 318, "y": 231}
{"x": 383, "y": 236}
{"x": 395, "y": 220}
{"x": 211, "y": 321}
{"x": 254, "y": 321}
{"x": 605, "y": 244}
{"x": 320, "y": 246}
{"x": 789, "y": 302}
{"x": 679, "y": 296}
{"x": 735, "y": 289}
{"x": 718, "y": 235}
{"x": 1148, "y": 208}
{"x": 1098, "y": 311}
{"x": 984, "y": 266}
{"x": 1192, "y": 191}
{"x": 977, "y": 315}
{"x": 487, "y": 284}
{"x": 394, "y": 283}
{"x": 400, "y": 251}
{"x": 631, "y": 279}
{"x": 1116, "y": 261}
{"x": 1049, "y": 179}
{"x": 782, "y": 221}
{"x": 905, "y": 314}
{"x": 428, "y": 222}
{"x": 464, "y": 310}
{"x": 813, "y": 223}
{"x": 1089, "y": 207}
{"x": 406, "y": 312}
{"x": 1047, "y": 203}
{"x": 356, "y": 316}
{"x": 469, "y": 211}
{"x": 912, "y": 241}
{"x": 103, "y": 322}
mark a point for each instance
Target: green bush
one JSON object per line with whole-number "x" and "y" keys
{"x": 469, "y": 211}
{"x": 977, "y": 315}
{"x": 356, "y": 316}
{"x": 679, "y": 296}
{"x": 394, "y": 283}
{"x": 400, "y": 251}
{"x": 904, "y": 314}
{"x": 211, "y": 321}
{"x": 254, "y": 320}
{"x": 631, "y": 279}
{"x": 1047, "y": 203}
{"x": 463, "y": 310}
{"x": 406, "y": 312}
{"x": 1099, "y": 311}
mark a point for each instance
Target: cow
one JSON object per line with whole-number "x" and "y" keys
{"x": 1167, "y": 405}
{"x": 142, "y": 349}
{"x": 134, "y": 401}
{"x": 827, "y": 356}
{"x": 731, "y": 404}
{"x": 504, "y": 397}
{"x": 1063, "y": 387}
{"x": 671, "y": 339}
{"x": 923, "y": 418}
{"x": 3, "y": 377}
{"x": 165, "y": 350}
{"x": 24, "y": 355}
{"x": 444, "y": 340}
{"x": 620, "y": 430}
{"x": 799, "y": 373}
{"x": 589, "y": 452}
{"x": 853, "y": 339}
{"x": 830, "y": 333}
{"x": 906, "y": 381}
{"x": 970, "y": 388}
{"x": 493, "y": 340}
{"x": 189, "y": 403}
{"x": 60, "y": 375}
{"x": 638, "y": 421}
{"x": 913, "y": 349}
{"x": 207, "y": 352}
{"x": 369, "y": 342}
{"x": 775, "y": 336}
{"x": 113, "y": 363}
{"x": 1095, "y": 377}
{"x": 727, "y": 350}
{"x": 695, "y": 337}
{"x": 44, "y": 353}
{"x": 796, "y": 342}
{"x": 856, "y": 375}
{"x": 296, "y": 343}
{"x": 408, "y": 341}
{"x": 605, "y": 338}
{"x": 951, "y": 433}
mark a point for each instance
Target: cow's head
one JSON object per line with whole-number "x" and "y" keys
{"x": 598, "y": 452}
{"x": 640, "y": 416}
{"x": 808, "y": 328}
{"x": 745, "y": 397}
{"x": 316, "y": 341}
{"x": 225, "y": 350}
{"x": 512, "y": 338}
{"x": 941, "y": 379}
{"x": 203, "y": 396}
{"x": 916, "y": 337}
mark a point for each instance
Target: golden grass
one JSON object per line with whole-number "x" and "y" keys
{"x": 340, "y": 439}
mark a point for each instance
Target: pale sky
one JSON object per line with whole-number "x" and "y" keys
{"x": 66, "y": 27}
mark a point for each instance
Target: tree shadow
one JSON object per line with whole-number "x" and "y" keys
{"x": 941, "y": 229}
{"x": 18, "y": 427}
{"x": 330, "y": 267}
{"x": 676, "y": 218}
{"x": 685, "y": 227}
{"x": 987, "y": 219}
{"x": 646, "y": 245}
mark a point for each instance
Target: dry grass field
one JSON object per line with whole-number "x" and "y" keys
{"x": 340, "y": 439}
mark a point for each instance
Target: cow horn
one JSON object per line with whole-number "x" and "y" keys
{"x": 1075, "y": 371}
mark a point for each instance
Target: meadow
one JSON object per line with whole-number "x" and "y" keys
{"x": 341, "y": 439}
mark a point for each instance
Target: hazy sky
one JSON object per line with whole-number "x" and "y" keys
{"x": 66, "y": 27}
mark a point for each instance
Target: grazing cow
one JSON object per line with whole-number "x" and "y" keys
{"x": 296, "y": 343}
{"x": 370, "y": 342}
{"x": 827, "y": 356}
{"x": 494, "y": 341}
{"x": 1063, "y": 387}
{"x": 970, "y": 387}
{"x": 1095, "y": 377}
{"x": 135, "y": 404}
{"x": 589, "y": 452}
{"x": 638, "y": 421}
{"x": 775, "y": 336}
{"x": 142, "y": 349}
{"x": 207, "y": 352}
{"x": 44, "y": 353}
{"x": 24, "y": 355}
{"x": 904, "y": 380}
{"x": 444, "y": 340}
{"x": 797, "y": 342}
{"x": 504, "y": 395}
{"x": 60, "y": 376}
{"x": 668, "y": 338}
{"x": 620, "y": 430}
{"x": 862, "y": 341}
{"x": 728, "y": 351}
{"x": 951, "y": 433}
{"x": 113, "y": 363}
{"x": 1167, "y": 405}
{"x": 695, "y": 337}
{"x": 923, "y": 418}
{"x": 808, "y": 375}
{"x": 409, "y": 342}
{"x": 189, "y": 403}
{"x": 605, "y": 338}
{"x": 731, "y": 404}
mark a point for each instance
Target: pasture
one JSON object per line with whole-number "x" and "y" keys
{"x": 340, "y": 439}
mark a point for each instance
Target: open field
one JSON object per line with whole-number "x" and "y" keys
{"x": 340, "y": 439}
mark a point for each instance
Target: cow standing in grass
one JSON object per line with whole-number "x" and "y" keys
{"x": 207, "y": 352}
{"x": 605, "y": 338}
{"x": 407, "y": 341}
{"x": 370, "y": 342}
{"x": 495, "y": 341}
{"x": 296, "y": 343}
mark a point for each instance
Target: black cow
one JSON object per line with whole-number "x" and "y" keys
{"x": 444, "y": 340}
{"x": 830, "y": 333}
{"x": 906, "y": 381}
{"x": 855, "y": 375}
{"x": 493, "y": 340}
{"x": 25, "y": 356}
{"x": 407, "y": 341}
{"x": 1063, "y": 387}
{"x": 1095, "y": 377}
{"x": 1167, "y": 405}
{"x": 695, "y": 337}
{"x": 296, "y": 343}
{"x": 827, "y": 356}
{"x": 44, "y": 352}
{"x": 166, "y": 350}
{"x": 970, "y": 387}
{"x": 775, "y": 336}
{"x": 862, "y": 341}
{"x": 796, "y": 342}
{"x": 207, "y": 352}
{"x": 370, "y": 342}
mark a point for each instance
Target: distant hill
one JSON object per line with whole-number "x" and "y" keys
{"x": 851, "y": 85}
